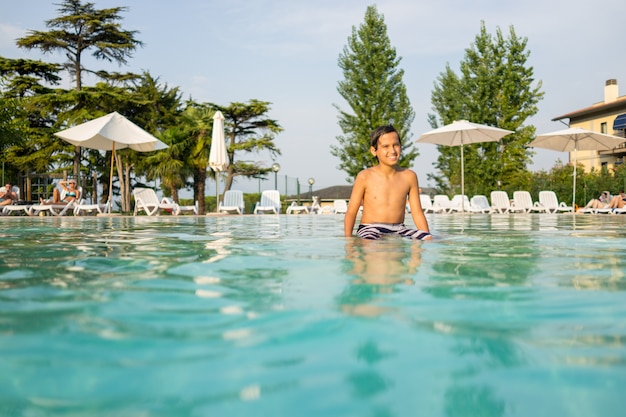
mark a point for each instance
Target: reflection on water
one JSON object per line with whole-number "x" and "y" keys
{"x": 281, "y": 315}
{"x": 376, "y": 267}
{"x": 383, "y": 262}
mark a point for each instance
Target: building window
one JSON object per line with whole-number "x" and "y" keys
{"x": 603, "y": 128}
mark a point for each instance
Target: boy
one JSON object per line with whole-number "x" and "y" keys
{"x": 383, "y": 190}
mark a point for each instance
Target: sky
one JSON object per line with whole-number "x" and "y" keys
{"x": 286, "y": 51}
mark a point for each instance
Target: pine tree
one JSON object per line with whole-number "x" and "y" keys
{"x": 494, "y": 87}
{"x": 374, "y": 89}
{"x": 78, "y": 29}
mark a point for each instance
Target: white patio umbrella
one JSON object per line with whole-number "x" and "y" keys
{"x": 459, "y": 133}
{"x": 576, "y": 139}
{"x": 109, "y": 133}
{"x": 218, "y": 158}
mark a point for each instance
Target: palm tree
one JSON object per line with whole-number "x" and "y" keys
{"x": 169, "y": 164}
{"x": 199, "y": 122}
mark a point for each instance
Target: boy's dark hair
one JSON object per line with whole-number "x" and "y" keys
{"x": 382, "y": 130}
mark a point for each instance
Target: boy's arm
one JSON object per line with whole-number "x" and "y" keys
{"x": 416, "y": 208}
{"x": 356, "y": 197}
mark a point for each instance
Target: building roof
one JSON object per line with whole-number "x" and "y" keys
{"x": 335, "y": 192}
{"x": 602, "y": 108}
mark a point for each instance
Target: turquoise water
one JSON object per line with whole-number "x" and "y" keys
{"x": 501, "y": 315}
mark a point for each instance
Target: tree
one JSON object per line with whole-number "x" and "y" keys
{"x": 25, "y": 137}
{"x": 374, "y": 89}
{"x": 81, "y": 28}
{"x": 495, "y": 87}
{"x": 188, "y": 153}
{"x": 247, "y": 130}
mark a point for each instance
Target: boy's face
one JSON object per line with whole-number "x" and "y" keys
{"x": 389, "y": 149}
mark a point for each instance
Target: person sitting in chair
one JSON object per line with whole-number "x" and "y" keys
{"x": 619, "y": 201}
{"x": 8, "y": 196}
{"x": 71, "y": 193}
{"x": 601, "y": 202}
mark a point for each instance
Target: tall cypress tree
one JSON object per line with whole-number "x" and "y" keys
{"x": 374, "y": 89}
{"x": 495, "y": 87}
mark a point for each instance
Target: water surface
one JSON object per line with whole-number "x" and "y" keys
{"x": 500, "y": 315}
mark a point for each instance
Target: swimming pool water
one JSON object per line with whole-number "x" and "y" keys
{"x": 500, "y": 315}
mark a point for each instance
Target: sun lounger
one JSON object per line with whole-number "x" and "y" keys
{"x": 523, "y": 201}
{"x": 233, "y": 202}
{"x": 480, "y": 204}
{"x": 270, "y": 202}
{"x": 500, "y": 203}
{"x": 550, "y": 203}
{"x": 146, "y": 200}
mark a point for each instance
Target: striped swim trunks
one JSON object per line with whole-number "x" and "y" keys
{"x": 376, "y": 231}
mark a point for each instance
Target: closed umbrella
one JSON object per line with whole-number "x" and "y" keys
{"x": 109, "y": 133}
{"x": 576, "y": 139}
{"x": 218, "y": 158}
{"x": 459, "y": 133}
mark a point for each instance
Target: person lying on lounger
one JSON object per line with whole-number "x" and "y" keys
{"x": 619, "y": 201}
{"x": 71, "y": 193}
{"x": 601, "y": 202}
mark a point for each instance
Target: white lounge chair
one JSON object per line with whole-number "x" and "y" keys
{"x": 195, "y": 209}
{"x": 298, "y": 209}
{"x": 607, "y": 210}
{"x": 442, "y": 204}
{"x": 315, "y": 207}
{"x": 523, "y": 201}
{"x": 500, "y": 203}
{"x": 232, "y": 202}
{"x": 460, "y": 203}
{"x": 166, "y": 201}
{"x": 14, "y": 208}
{"x": 83, "y": 207}
{"x": 270, "y": 202}
{"x": 146, "y": 200}
{"x": 426, "y": 203}
{"x": 340, "y": 206}
{"x": 55, "y": 209}
{"x": 550, "y": 203}
{"x": 480, "y": 204}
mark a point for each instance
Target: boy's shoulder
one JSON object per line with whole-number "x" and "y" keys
{"x": 378, "y": 168}
{"x": 367, "y": 171}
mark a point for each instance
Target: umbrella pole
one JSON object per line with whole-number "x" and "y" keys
{"x": 462, "y": 181}
{"x": 217, "y": 191}
{"x": 111, "y": 178}
{"x": 574, "y": 191}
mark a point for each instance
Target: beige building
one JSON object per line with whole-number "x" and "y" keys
{"x": 608, "y": 116}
